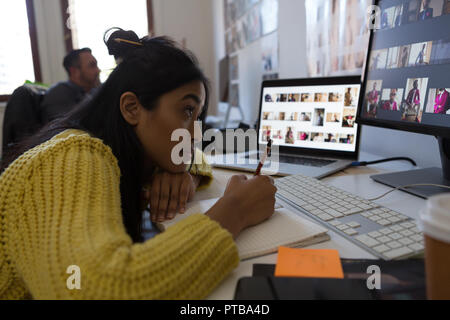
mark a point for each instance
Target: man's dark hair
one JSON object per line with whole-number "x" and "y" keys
{"x": 72, "y": 59}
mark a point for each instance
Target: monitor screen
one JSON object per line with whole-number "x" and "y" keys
{"x": 407, "y": 80}
{"x": 312, "y": 117}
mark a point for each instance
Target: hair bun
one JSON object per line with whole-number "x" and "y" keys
{"x": 119, "y": 49}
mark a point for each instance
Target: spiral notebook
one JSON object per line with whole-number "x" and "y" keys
{"x": 284, "y": 228}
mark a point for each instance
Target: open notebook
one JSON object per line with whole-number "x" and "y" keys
{"x": 283, "y": 229}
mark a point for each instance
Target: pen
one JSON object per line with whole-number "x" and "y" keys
{"x": 264, "y": 157}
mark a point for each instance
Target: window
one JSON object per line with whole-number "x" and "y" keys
{"x": 19, "y": 58}
{"x": 88, "y": 20}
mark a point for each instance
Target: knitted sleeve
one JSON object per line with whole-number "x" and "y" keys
{"x": 201, "y": 167}
{"x": 72, "y": 216}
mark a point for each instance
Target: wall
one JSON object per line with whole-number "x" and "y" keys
{"x": 292, "y": 17}
{"x": 192, "y": 23}
{"x": 292, "y": 39}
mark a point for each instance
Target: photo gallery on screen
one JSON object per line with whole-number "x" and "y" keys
{"x": 312, "y": 110}
{"x": 415, "y": 95}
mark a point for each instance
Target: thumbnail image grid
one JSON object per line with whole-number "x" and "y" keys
{"x": 325, "y": 116}
{"x": 411, "y": 55}
{"x": 409, "y": 101}
{"x": 413, "y": 11}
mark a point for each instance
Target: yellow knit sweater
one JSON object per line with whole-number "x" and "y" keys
{"x": 60, "y": 206}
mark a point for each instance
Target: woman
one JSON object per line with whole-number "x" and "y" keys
{"x": 71, "y": 195}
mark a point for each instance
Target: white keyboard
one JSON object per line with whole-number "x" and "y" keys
{"x": 381, "y": 231}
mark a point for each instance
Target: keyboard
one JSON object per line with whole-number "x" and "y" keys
{"x": 312, "y": 162}
{"x": 381, "y": 231}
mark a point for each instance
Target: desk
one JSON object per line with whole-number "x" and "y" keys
{"x": 354, "y": 180}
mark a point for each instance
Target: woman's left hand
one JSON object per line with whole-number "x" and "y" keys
{"x": 169, "y": 194}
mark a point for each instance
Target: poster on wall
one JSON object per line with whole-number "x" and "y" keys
{"x": 252, "y": 25}
{"x": 269, "y": 16}
{"x": 269, "y": 53}
{"x": 337, "y": 36}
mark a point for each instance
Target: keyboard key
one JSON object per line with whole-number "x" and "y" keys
{"x": 354, "y": 224}
{"x": 384, "y": 222}
{"x": 334, "y": 213}
{"x": 352, "y": 211}
{"x": 384, "y": 239}
{"x": 417, "y": 237}
{"x": 402, "y": 217}
{"x": 334, "y": 223}
{"x": 342, "y": 227}
{"x": 325, "y": 217}
{"x": 385, "y": 231}
{"x": 406, "y": 233}
{"x": 381, "y": 248}
{"x": 394, "y": 219}
{"x": 374, "y": 218}
{"x": 394, "y": 244}
{"x": 397, "y": 253}
{"x": 292, "y": 198}
{"x": 395, "y": 236}
{"x": 416, "y": 247}
{"x": 407, "y": 225}
{"x": 406, "y": 241}
{"x": 368, "y": 241}
{"x": 385, "y": 215}
{"x": 397, "y": 228}
{"x": 374, "y": 234}
{"x": 309, "y": 207}
{"x": 351, "y": 232}
{"x": 315, "y": 212}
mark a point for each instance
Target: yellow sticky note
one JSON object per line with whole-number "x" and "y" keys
{"x": 308, "y": 263}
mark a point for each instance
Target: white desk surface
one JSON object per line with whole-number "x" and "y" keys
{"x": 354, "y": 180}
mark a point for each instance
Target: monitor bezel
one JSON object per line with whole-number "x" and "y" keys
{"x": 389, "y": 124}
{"x": 308, "y": 82}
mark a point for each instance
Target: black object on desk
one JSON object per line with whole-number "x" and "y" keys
{"x": 275, "y": 288}
{"x": 400, "y": 280}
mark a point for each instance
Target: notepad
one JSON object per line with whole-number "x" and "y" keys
{"x": 284, "y": 228}
{"x": 308, "y": 263}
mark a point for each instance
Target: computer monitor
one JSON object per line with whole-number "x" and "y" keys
{"x": 407, "y": 82}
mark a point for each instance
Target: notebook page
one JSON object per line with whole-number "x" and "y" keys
{"x": 282, "y": 229}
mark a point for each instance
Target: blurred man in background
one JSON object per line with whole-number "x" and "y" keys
{"x": 81, "y": 66}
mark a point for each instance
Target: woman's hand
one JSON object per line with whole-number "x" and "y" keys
{"x": 245, "y": 203}
{"x": 169, "y": 194}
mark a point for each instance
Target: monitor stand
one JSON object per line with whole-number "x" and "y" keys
{"x": 430, "y": 175}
